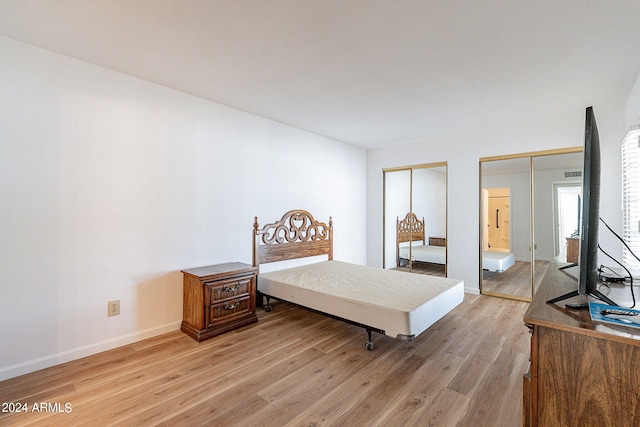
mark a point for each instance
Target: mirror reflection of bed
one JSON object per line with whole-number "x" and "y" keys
{"x": 428, "y": 254}
{"x": 425, "y": 255}
{"x": 423, "y": 189}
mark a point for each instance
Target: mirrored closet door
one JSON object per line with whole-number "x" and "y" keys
{"x": 526, "y": 222}
{"x": 415, "y": 218}
{"x": 557, "y": 190}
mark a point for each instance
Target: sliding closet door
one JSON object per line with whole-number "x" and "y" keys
{"x": 415, "y": 218}
{"x": 429, "y": 204}
{"x": 557, "y": 189}
{"x": 397, "y": 203}
{"x": 528, "y": 212}
{"x": 506, "y": 228}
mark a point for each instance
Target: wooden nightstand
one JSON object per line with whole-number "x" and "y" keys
{"x": 437, "y": 241}
{"x": 218, "y": 298}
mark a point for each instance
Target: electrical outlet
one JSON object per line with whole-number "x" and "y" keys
{"x": 113, "y": 308}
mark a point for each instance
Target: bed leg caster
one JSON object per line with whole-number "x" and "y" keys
{"x": 369, "y": 344}
{"x": 267, "y": 306}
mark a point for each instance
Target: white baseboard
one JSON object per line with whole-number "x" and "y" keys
{"x": 84, "y": 351}
{"x": 473, "y": 291}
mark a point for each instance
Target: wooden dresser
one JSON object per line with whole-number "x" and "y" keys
{"x": 581, "y": 373}
{"x": 573, "y": 250}
{"x": 218, "y": 298}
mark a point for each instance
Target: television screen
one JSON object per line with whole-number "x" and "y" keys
{"x": 590, "y": 215}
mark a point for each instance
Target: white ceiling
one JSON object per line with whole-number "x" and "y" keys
{"x": 367, "y": 72}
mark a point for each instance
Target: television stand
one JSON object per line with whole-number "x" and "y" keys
{"x": 596, "y": 294}
{"x": 581, "y": 372}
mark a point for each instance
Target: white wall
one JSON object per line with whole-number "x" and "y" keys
{"x": 112, "y": 185}
{"x": 463, "y": 149}
{"x": 430, "y": 200}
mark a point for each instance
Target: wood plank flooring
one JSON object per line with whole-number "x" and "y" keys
{"x": 425, "y": 268}
{"x": 296, "y": 368}
{"x": 516, "y": 280}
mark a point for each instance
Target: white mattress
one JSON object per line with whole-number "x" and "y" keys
{"x": 497, "y": 261}
{"x": 399, "y": 303}
{"x": 425, "y": 253}
{"x": 492, "y": 261}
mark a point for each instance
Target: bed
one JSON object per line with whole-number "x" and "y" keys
{"x": 424, "y": 253}
{"x": 498, "y": 262}
{"x": 398, "y": 304}
{"x": 410, "y": 232}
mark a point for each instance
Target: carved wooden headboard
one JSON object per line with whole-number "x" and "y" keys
{"x": 296, "y": 235}
{"x": 410, "y": 229}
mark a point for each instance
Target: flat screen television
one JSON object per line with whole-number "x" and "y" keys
{"x": 590, "y": 216}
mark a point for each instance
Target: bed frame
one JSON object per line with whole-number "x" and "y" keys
{"x": 297, "y": 235}
{"x": 410, "y": 229}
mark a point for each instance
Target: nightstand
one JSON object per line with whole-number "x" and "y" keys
{"x": 437, "y": 241}
{"x": 218, "y": 298}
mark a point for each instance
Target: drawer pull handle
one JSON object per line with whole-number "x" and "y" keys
{"x": 232, "y": 306}
{"x": 231, "y": 288}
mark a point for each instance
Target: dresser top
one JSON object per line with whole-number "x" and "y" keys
{"x": 557, "y": 316}
{"x": 221, "y": 270}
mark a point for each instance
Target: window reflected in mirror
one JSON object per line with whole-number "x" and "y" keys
{"x": 557, "y": 185}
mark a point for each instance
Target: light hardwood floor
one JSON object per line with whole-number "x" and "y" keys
{"x": 425, "y": 268}
{"x": 516, "y": 280}
{"x": 297, "y": 368}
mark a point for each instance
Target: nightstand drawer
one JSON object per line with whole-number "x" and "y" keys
{"x": 226, "y": 310}
{"x": 219, "y": 291}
